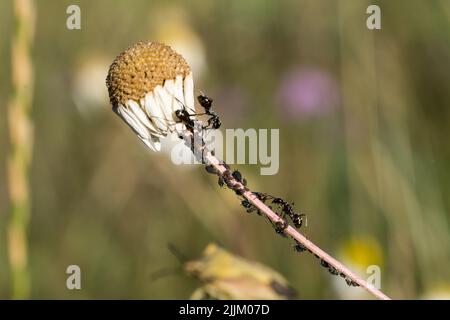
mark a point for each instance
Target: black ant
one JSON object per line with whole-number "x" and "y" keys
{"x": 224, "y": 178}
{"x": 297, "y": 219}
{"x": 238, "y": 176}
{"x": 228, "y": 178}
{"x": 221, "y": 181}
{"x": 351, "y": 283}
{"x": 330, "y": 268}
{"x": 210, "y": 169}
{"x": 185, "y": 117}
{"x": 280, "y": 226}
{"x": 324, "y": 264}
{"x": 206, "y": 102}
{"x": 333, "y": 271}
{"x": 237, "y": 188}
{"x": 262, "y": 196}
{"x": 247, "y": 205}
{"x": 299, "y": 247}
{"x": 287, "y": 209}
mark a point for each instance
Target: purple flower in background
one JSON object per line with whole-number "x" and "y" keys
{"x": 307, "y": 92}
{"x": 232, "y": 103}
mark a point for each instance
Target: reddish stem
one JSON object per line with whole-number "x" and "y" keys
{"x": 295, "y": 234}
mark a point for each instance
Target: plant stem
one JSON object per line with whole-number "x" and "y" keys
{"x": 21, "y": 144}
{"x": 200, "y": 151}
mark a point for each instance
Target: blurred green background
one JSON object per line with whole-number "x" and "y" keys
{"x": 364, "y": 145}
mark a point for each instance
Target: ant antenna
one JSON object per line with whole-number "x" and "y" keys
{"x": 182, "y": 104}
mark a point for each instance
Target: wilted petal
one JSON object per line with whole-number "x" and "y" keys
{"x": 136, "y": 109}
{"x": 179, "y": 92}
{"x": 169, "y": 87}
{"x": 131, "y": 119}
{"x": 155, "y": 113}
{"x": 189, "y": 93}
{"x": 165, "y": 102}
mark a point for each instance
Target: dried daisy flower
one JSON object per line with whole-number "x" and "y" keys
{"x": 147, "y": 83}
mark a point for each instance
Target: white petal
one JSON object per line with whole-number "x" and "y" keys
{"x": 189, "y": 93}
{"x": 179, "y": 94}
{"x": 131, "y": 119}
{"x": 165, "y": 101}
{"x": 136, "y": 109}
{"x": 155, "y": 113}
{"x": 180, "y": 127}
{"x": 169, "y": 86}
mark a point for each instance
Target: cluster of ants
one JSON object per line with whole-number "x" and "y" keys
{"x": 284, "y": 209}
{"x": 301, "y": 248}
{"x": 187, "y": 119}
{"x": 234, "y": 181}
{"x": 206, "y": 102}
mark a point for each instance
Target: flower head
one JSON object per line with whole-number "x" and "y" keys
{"x": 227, "y": 276}
{"x": 147, "y": 83}
{"x": 363, "y": 254}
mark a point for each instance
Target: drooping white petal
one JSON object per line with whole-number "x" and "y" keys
{"x": 177, "y": 104}
{"x": 150, "y": 140}
{"x": 180, "y": 127}
{"x": 179, "y": 93}
{"x": 169, "y": 87}
{"x": 189, "y": 93}
{"x": 136, "y": 109}
{"x": 155, "y": 113}
{"x": 165, "y": 101}
{"x": 131, "y": 119}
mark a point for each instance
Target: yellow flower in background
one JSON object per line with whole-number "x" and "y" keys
{"x": 360, "y": 253}
{"x": 171, "y": 26}
{"x": 440, "y": 291}
{"x": 226, "y": 276}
